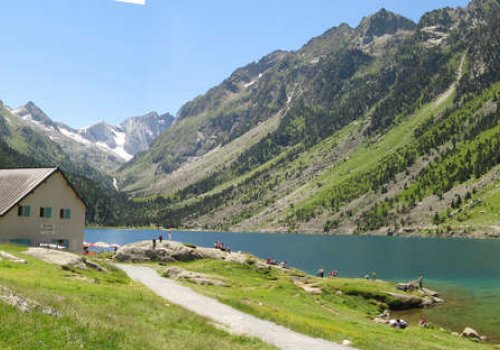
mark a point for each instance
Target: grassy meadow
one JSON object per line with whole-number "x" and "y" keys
{"x": 100, "y": 311}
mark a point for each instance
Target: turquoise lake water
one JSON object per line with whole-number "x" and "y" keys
{"x": 466, "y": 272}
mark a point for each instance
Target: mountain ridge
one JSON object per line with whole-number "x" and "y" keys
{"x": 349, "y": 114}
{"x": 103, "y": 145}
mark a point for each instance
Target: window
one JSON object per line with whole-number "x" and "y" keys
{"x": 23, "y": 210}
{"x": 65, "y": 213}
{"x": 21, "y": 241}
{"x": 46, "y": 212}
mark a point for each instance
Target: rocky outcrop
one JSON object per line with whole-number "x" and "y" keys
{"x": 170, "y": 251}
{"x": 10, "y": 257}
{"x": 198, "y": 278}
{"x": 471, "y": 333}
{"x": 23, "y": 304}
{"x": 57, "y": 257}
{"x": 309, "y": 288}
{"x": 417, "y": 298}
{"x": 94, "y": 265}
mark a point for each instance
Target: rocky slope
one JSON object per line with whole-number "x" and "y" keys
{"x": 351, "y": 133}
{"x": 102, "y": 145}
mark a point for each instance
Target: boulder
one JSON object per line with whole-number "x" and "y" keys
{"x": 405, "y": 301}
{"x": 198, "y": 278}
{"x": 95, "y": 265}
{"x": 171, "y": 251}
{"x": 57, "y": 257}
{"x": 430, "y": 292}
{"x": 346, "y": 342}
{"x": 239, "y": 259}
{"x": 469, "y": 332}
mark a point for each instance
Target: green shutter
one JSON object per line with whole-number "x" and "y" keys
{"x": 27, "y": 210}
{"x": 68, "y": 214}
{"x": 48, "y": 212}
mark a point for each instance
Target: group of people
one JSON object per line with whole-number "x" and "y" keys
{"x": 220, "y": 245}
{"x": 282, "y": 263}
{"x": 398, "y": 323}
{"x": 321, "y": 273}
{"x": 160, "y": 238}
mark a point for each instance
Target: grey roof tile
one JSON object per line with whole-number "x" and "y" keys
{"x": 15, "y": 184}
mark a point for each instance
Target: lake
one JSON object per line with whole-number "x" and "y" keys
{"x": 466, "y": 272}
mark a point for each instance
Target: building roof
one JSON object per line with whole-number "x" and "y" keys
{"x": 16, "y": 184}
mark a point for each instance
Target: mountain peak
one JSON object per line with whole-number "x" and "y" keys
{"x": 384, "y": 22}
{"x": 31, "y": 111}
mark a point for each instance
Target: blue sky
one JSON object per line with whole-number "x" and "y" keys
{"x": 88, "y": 60}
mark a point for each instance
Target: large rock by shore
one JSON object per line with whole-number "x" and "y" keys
{"x": 169, "y": 251}
{"x": 57, "y": 257}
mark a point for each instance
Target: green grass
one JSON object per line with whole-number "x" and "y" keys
{"x": 482, "y": 210}
{"x": 273, "y": 296}
{"x": 100, "y": 311}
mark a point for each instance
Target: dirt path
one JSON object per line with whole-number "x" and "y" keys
{"x": 231, "y": 319}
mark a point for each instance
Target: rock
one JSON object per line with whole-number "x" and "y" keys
{"x": 239, "y": 259}
{"x": 262, "y": 266}
{"x": 380, "y": 320}
{"x": 339, "y": 292}
{"x": 198, "y": 278}
{"x": 346, "y": 342}
{"x": 430, "y": 292}
{"x": 437, "y": 300}
{"x": 12, "y": 258}
{"x": 95, "y": 266}
{"x": 166, "y": 251}
{"x": 406, "y": 301}
{"x": 469, "y": 332}
{"x": 310, "y": 288}
{"x": 427, "y": 301}
{"x": 23, "y": 304}
{"x": 57, "y": 257}
{"x": 407, "y": 287}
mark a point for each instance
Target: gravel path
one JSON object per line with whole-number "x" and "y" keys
{"x": 233, "y": 320}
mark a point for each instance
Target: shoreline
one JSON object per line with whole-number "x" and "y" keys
{"x": 414, "y": 234}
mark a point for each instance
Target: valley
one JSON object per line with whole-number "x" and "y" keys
{"x": 387, "y": 128}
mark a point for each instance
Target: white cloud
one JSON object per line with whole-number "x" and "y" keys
{"x": 136, "y": 2}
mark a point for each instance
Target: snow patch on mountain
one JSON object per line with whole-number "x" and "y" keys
{"x": 123, "y": 141}
{"x": 74, "y": 136}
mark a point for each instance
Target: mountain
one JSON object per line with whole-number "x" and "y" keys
{"x": 380, "y": 127}
{"x": 24, "y": 146}
{"x": 102, "y": 145}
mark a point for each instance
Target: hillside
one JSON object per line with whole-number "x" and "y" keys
{"x": 391, "y": 126}
{"x": 24, "y": 146}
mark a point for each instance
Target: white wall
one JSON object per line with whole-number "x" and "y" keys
{"x": 54, "y": 193}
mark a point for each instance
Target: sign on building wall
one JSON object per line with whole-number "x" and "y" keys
{"x": 48, "y": 229}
